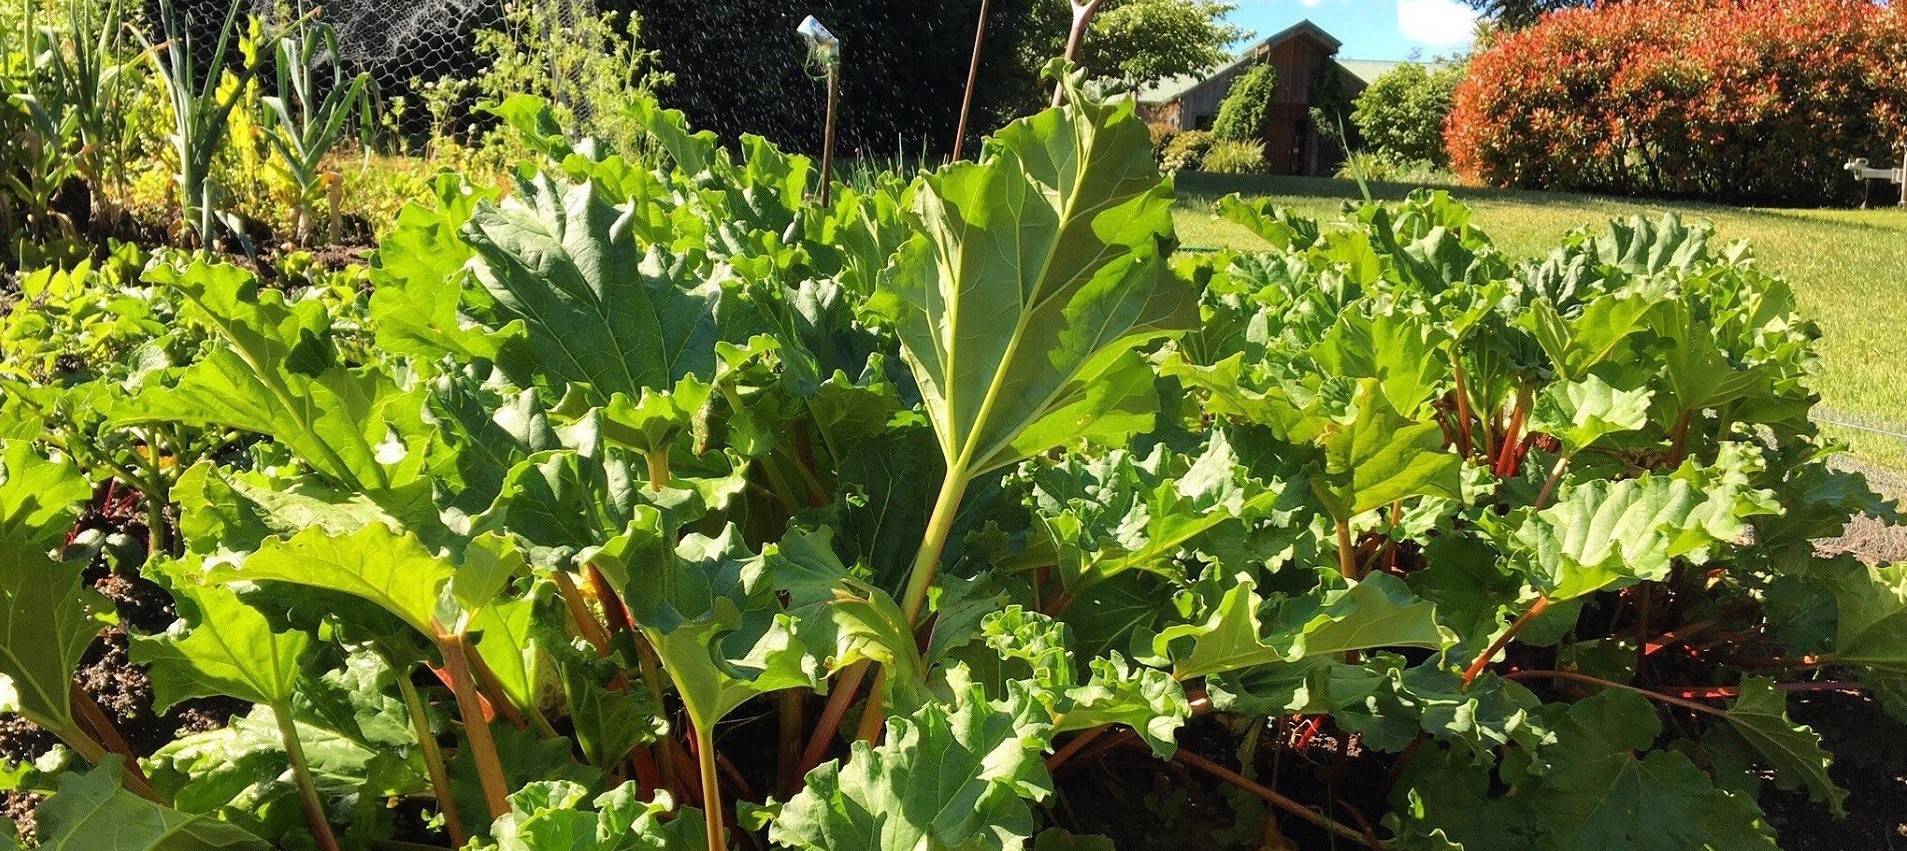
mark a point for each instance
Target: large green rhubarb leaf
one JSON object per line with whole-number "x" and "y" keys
{"x": 1760, "y": 717}
{"x": 48, "y": 614}
{"x": 1116, "y": 691}
{"x": 91, "y": 812}
{"x": 393, "y": 571}
{"x": 486, "y": 433}
{"x": 559, "y": 816}
{"x": 508, "y": 643}
{"x": 419, "y": 272}
{"x": 954, "y": 775}
{"x": 236, "y": 511}
{"x": 240, "y": 770}
{"x": 1122, "y": 512}
{"x": 277, "y": 375}
{"x": 39, "y": 498}
{"x": 1606, "y": 790}
{"x": 1396, "y": 347}
{"x": 840, "y": 618}
{"x": 1871, "y": 616}
{"x": 1376, "y": 612}
{"x": 1642, "y": 247}
{"x": 1595, "y": 784}
{"x": 1380, "y": 457}
{"x": 1579, "y": 413}
{"x": 1237, "y": 389}
{"x": 230, "y": 651}
{"x": 1698, "y": 368}
{"x": 595, "y": 309}
{"x": 1590, "y": 335}
{"x": 710, "y": 609}
{"x": 1036, "y": 271}
{"x": 1870, "y": 626}
{"x": 1604, "y": 533}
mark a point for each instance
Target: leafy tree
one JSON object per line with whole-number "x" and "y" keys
{"x": 1331, "y": 105}
{"x": 1241, "y": 117}
{"x": 738, "y": 67}
{"x": 1143, "y": 41}
{"x": 1401, "y": 116}
{"x": 1517, "y": 14}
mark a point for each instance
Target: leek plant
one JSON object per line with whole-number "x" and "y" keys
{"x": 201, "y": 114}
{"x": 305, "y": 121}
{"x": 63, "y": 101}
{"x": 90, "y": 78}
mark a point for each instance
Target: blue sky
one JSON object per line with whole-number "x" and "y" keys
{"x": 1370, "y": 29}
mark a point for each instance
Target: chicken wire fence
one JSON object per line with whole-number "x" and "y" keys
{"x": 404, "y": 40}
{"x": 403, "y": 44}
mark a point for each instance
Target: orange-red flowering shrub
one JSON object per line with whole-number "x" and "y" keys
{"x": 1756, "y": 100}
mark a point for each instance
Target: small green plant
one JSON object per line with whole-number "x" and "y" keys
{"x": 308, "y": 117}
{"x": 90, "y": 74}
{"x": 590, "y": 67}
{"x": 41, "y": 164}
{"x": 1376, "y": 167}
{"x": 1241, "y": 116}
{"x": 199, "y": 113}
{"x": 1229, "y": 157}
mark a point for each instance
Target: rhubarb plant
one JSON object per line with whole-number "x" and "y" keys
{"x": 651, "y": 503}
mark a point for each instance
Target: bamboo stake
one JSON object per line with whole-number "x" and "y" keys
{"x": 973, "y": 76}
{"x": 1269, "y": 795}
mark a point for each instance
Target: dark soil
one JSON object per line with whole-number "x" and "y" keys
{"x": 1149, "y": 805}
{"x": 1870, "y": 761}
{"x": 106, "y": 674}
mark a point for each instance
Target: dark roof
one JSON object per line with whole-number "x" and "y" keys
{"x": 1171, "y": 88}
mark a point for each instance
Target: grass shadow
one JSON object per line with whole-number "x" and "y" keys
{"x": 1200, "y": 187}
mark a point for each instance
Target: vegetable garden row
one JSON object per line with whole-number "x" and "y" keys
{"x": 654, "y": 504}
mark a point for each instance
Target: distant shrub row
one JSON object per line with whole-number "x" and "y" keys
{"x": 1202, "y": 150}
{"x": 1746, "y": 100}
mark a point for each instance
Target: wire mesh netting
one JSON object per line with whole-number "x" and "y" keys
{"x": 402, "y": 43}
{"x": 406, "y": 39}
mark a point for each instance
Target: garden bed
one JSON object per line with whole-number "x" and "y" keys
{"x": 653, "y": 500}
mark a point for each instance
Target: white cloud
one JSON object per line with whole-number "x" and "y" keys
{"x": 1438, "y": 23}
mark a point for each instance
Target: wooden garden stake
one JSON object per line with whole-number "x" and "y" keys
{"x": 825, "y": 50}
{"x": 973, "y": 76}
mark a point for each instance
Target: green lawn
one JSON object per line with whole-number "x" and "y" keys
{"x": 1848, "y": 268}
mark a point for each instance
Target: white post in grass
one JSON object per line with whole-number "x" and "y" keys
{"x": 824, "y": 50}
{"x": 1866, "y": 174}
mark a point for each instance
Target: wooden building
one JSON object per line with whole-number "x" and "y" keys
{"x": 1302, "y": 54}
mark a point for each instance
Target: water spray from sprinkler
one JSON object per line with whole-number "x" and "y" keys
{"x": 824, "y": 51}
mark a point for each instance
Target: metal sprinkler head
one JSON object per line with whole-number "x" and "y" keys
{"x": 821, "y": 44}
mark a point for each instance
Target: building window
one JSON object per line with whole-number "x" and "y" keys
{"x": 1201, "y": 122}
